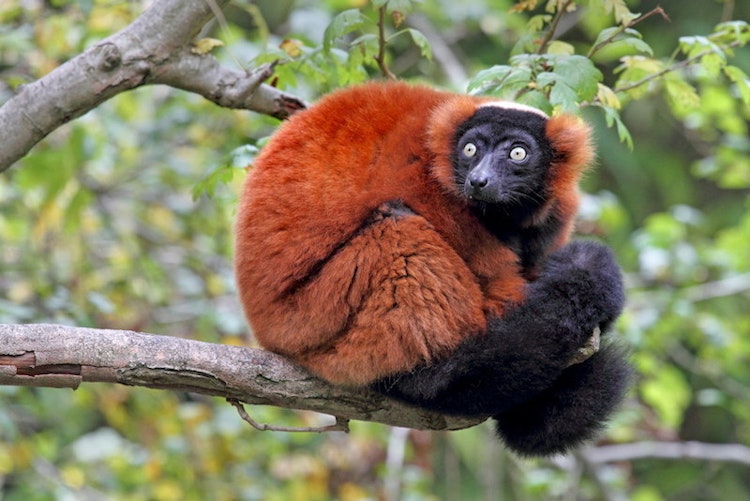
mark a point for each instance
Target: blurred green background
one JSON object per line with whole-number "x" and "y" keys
{"x": 123, "y": 219}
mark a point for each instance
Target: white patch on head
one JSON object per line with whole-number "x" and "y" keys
{"x": 510, "y": 105}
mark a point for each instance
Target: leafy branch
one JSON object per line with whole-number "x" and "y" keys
{"x": 623, "y": 28}
{"x": 561, "y": 10}
{"x": 557, "y": 79}
{"x": 678, "y": 66}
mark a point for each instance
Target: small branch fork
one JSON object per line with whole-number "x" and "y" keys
{"x": 341, "y": 424}
{"x": 131, "y": 58}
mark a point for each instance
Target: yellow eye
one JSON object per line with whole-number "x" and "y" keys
{"x": 518, "y": 154}
{"x": 470, "y": 150}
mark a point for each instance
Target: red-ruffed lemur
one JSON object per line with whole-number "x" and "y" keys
{"x": 415, "y": 241}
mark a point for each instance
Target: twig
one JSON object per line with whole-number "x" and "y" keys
{"x": 639, "y": 19}
{"x": 380, "y": 58}
{"x": 727, "y": 11}
{"x": 669, "y": 69}
{"x": 724, "y": 287}
{"x": 553, "y": 27}
{"x": 341, "y": 424}
{"x": 720, "y": 288}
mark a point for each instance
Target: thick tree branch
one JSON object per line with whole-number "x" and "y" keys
{"x": 63, "y": 357}
{"x": 155, "y": 48}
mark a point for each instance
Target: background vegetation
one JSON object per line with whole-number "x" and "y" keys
{"x": 123, "y": 219}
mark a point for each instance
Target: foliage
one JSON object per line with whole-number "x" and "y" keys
{"x": 123, "y": 219}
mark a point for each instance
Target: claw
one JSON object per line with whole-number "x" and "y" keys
{"x": 588, "y": 349}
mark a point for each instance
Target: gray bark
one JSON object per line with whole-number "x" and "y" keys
{"x": 154, "y": 49}
{"x": 64, "y": 357}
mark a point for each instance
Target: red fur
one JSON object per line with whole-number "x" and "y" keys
{"x": 349, "y": 287}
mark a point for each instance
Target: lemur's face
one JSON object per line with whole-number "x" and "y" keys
{"x": 502, "y": 157}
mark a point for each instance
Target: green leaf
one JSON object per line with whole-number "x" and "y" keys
{"x": 344, "y": 23}
{"x": 487, "y": 78}
{"x": 605, "y": 34}
{"x": 537, "y": 99}
{"x": 564, "y": 97}
{"x": 403, "y": 6}
{"x": 537, "y": 23}
{"x": 695, "y": 45}
{"x": 518, "y": 78}
{"x": 503, "y": 80}
{"x": 244, "y": 156}
{"x": 741, "y": 80}
{"x": 612, "y": 116}
{"x": 682, "y": 96}
{"x": 608, "y": 97}
{"x": 636, "y": 45}
{"x": 365, "y": 39}
{"x": 621, "y": 11}
{"x": 72, "y": 217}
{"x": 712, "y": 64}
{"x": 421, "y": 41}
{"x": 616, "y": 33}
{"x": 546, "y": 78}
{"x": 615, "y": 42}
{"x": 633, "y": 69}
{"x": 580, "y": 74}
{"x": 667, "y": 393}
{"x": 731, "y": 32}
{"x": 560, "y": 48}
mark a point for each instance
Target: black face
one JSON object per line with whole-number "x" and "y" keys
{"x": 501, "y": 161}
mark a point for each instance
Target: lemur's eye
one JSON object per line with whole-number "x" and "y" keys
{"x": 517, "y": 154}
{"x": 470, "y": 150}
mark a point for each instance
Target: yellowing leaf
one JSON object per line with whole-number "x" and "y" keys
{"x": 73, "y": 476}
{"x": 561, "y": 48}
{"x": 397, "y": 17}
{"x": 741, "y": 80}
{"x": 205, "y": 45}
{"x": 681, "y": 95}
{"x": 523, "y": 5}
{"x": 292, "y": 47}
{"x": 621, "y": 11}
{"x": 536, "y": 23}
{"x": 607, "y": 97}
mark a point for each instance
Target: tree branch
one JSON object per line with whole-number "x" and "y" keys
{"x": 154, "y": 49}
{"x": 733, "y": 453}
{"x": 63, "y": 357}
{"x": 562, "y": 9}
